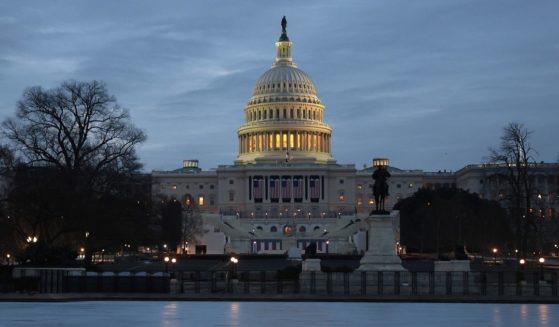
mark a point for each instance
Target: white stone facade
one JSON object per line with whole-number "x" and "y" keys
{"x": 285, "y": 190}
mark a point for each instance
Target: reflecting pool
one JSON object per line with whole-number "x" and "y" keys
{"x": 269, "y": 314}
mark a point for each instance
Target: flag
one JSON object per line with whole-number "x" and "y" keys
{"x": 275, "y": 188}
{"x": 298, "y": 188}
{"x": 314, "y": 186}
{"x": 286, "y": 188}
{"x": 257, "y": 189}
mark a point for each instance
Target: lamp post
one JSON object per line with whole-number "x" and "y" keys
{"x": 494, "y": 250}
{"x": 541, "y": 260}
{"x": 327, "y": 246}
{"x": 174, "y": 265}
{"x": 522, "y": 262}
{"x": 166, "y": 260}
{"x": 234, "y": 261}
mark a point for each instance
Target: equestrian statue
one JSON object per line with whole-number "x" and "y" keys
{"x": 380, "y": 189}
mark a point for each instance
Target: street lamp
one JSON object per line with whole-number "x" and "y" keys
{"x": 166, "y": 259}
{"x": 494, "y": 250}
{"x": 522, "y": 262}
{"x": 174, "y": 265}
{"x": 541, "y": 260}
{"x": 234, "y": 261}
{"x": 327, "y": 246}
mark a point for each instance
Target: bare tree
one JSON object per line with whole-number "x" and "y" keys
{"x": 84, "y": 142}
{"x": 75, "y": 127}
{"x": 514, "y": 164}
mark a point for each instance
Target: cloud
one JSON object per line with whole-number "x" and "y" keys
{"x": 428, "y": 84}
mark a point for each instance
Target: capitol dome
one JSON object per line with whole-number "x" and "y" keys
{"x": 284, "y": 116}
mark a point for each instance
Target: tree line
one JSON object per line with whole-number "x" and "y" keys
{"x": 71, "y": 178}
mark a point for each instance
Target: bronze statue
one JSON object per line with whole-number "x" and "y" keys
{"x": 380, "y": 188}
{"x": 283, "y": 24}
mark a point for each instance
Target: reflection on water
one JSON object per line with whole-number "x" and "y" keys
{"x": 234, "y": 313}
{"x": 270, "y": 314}
{"x": 524, "y": 312}
{"x": 169, "y": 314}
{"x": 543, "y": 314}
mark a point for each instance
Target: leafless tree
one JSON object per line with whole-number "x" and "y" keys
{"x": 75, "y": 127}
{"x": 83, "y": 141}
{"x": 514, "y": 162}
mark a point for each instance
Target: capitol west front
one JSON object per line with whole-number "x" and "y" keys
{"x": 285, "y": 190}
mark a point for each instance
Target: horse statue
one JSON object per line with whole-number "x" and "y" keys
{"x": 380, "y": 188}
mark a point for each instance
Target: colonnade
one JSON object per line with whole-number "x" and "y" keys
{"x": 284, "y": 141}
{"x": 268, "y": 114}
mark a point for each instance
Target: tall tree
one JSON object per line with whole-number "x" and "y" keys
{"x": 514, "y": 163}
{"x": 75, "y": 146}
{"x": 439, "y": 220}
{"x": 179, "y": 222}
{"x": 77, "y": 127}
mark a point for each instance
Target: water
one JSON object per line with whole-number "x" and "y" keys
{"x": 270, "y": 314}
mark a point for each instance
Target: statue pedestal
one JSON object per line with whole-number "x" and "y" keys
{"x": 381, "y": 255}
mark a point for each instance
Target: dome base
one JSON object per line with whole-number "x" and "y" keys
{"x": 276, "y": 158}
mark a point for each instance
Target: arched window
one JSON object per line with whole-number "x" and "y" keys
{"x": 273, "y": 229}
{"x": 302, "y": 229}
{"x": 259, "y": 228}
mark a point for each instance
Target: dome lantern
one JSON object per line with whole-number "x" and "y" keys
{"x": 283, "y": 48}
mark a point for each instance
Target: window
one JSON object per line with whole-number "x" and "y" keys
{"x": 398, "y": 185}
{"x": 341, "y": 181}
{"x": 231, "y": 182}
{"x": 273, "y": 229}
{"x": 302, "y": 229}
{"x": 200, "y": 200}
{"x": 211, "y": 187}
{"x": 359, "y": 200}
{"x": 212, "y": 200}
{"x": 201, "y": 187}
{"x": 231, "y": 196}
{"x": 259, "y": 228}
{"x": 341, "y": 196}
{"x": 371, "y": 200}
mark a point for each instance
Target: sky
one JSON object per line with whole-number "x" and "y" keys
{"x": 429, "y": 84}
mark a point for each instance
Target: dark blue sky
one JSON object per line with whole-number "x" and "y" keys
{"x": 428, "y": 84}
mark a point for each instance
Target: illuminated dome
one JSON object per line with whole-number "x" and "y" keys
{"x": 284, "y": 116}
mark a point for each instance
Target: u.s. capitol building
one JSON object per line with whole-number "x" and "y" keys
{"x": 285, "y": 189}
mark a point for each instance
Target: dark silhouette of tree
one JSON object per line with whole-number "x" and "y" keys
{"x": 439, "y": 220}
{"x": 514, "y": 164}
{"x": 179, "y": 223}
{"x": 75, "y": 148}
{"x": 76, "y": 127}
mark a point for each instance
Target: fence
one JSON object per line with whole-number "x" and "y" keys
{"x": 371, "y": 283}
{"x": 381, "y": 283}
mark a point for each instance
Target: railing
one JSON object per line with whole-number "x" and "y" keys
{"x": 476, "y": 285}
{"x": 375, "y": 283}
{"x": 290, "y": 214}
